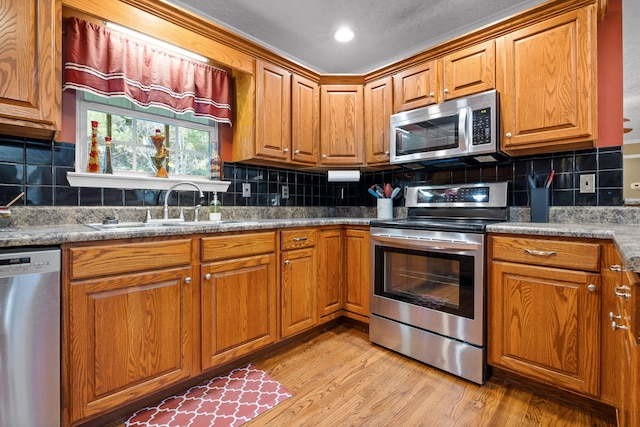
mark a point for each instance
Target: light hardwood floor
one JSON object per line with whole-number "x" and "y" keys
{"x": 339, "y": 378}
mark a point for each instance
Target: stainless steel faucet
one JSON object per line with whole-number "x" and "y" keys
{"x": 165, "y": 212}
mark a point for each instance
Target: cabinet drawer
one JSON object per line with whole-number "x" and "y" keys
{"x": 104, "y": 260}
{"x": 551, "y": 253}
{"x": 237, "y": 245}
{"x": 298, "y": 238}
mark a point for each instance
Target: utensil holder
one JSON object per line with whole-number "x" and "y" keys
{"x": 540, "y": 204}
{"x": 385, "y": 208}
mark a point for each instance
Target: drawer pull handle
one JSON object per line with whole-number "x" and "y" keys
{"x": 614, "y": 316}
{"x": 615, "y": 326}
{"x": 615, "y": 267}
{"x": 621, "y": 291}
{"x": 540, "y": 253}
{"x": 299, "y": 239}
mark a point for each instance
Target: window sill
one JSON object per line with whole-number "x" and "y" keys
{"x": 140, "y": 182}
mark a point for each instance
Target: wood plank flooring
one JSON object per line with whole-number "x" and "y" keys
{"x": 339, "y": 378}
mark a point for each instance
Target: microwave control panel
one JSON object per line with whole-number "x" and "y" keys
{"x": 481, "y": 126}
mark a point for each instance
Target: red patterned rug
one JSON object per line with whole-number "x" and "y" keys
{"x": 229, "y": 400}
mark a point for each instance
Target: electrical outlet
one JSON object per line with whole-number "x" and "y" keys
{"x": 285, "y": 191}
{"x": 635, "y": 185}
{"x": 588, "y": 183}
{"x": 246, "y": 189}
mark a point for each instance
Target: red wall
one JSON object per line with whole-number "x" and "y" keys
{"x": 610, "y": 86}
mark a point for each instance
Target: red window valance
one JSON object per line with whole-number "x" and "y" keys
{"x": 108, "y": 63}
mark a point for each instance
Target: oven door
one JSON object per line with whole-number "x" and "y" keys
{"x": 431, "y": 280}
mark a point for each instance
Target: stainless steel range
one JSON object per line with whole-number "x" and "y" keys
{"x": 428, "y": 279}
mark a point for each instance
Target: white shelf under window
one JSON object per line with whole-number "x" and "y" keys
{"x": 141, "y": 181}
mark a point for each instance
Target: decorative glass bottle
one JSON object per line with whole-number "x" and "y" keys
{"x": 107, "y": 156}
{"x": 161, "y": 154}
{"x": 94, "y": 161}
{"x": 215, "y": 164}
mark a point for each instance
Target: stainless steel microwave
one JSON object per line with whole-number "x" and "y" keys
{"x": 459, "y": 130}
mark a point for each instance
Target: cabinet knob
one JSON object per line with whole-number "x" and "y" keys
{"x": 386, "y": 153}
{"x": 207, "y": 276}
{"x": 446, "y": 91}
{"x": 324, "y": 156}
{"x": 431, "y": 94}
{"x": 296, "y": 152}
{"x": 286, "y": 150}
{"x": 613, "y": 316}
{"x": 187, "y": 280}
{"x": 287, "y": 262}
{"x": 508, "y": 135}
{"x": 615, "y": 326}
{"x": 592, "y": 288}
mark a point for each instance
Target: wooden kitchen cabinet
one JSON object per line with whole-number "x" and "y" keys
{"x": 357, "y": 273}
{"x": 459, "y": 73}
{"x": 330, "y": 273}
{"x": 629, "y": 358}
{"x": 341, "y": 125}
{"x": 305, "y": 121}
{"x": 378, "y": 107}
{"x": 298, "y": 280}
{"x": 30, "y": 88}
{"x": 238, "y": 295}
{"x": 129, "y": 324}
{"x": 547, "y": 76}
{"x": 273, "y": 111}
{"x": 544, "y": 301}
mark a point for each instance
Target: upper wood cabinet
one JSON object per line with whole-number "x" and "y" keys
{"x": 378, "y": 107}
{"x": 547, "y": 76}
{"x": 342, "y": 125}
{"x": 415, "y": 87}
{"x": 459, "y": 73}
{"x": 470, "y": 70}
{"x": 30, "y": 65}
{"x": 305, "y": 120}
{"x": 273, "y": 111}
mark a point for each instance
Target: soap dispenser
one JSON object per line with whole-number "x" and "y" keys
{"x": 215, "y": 209}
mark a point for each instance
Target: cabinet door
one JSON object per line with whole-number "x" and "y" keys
{"x": 305, "y": 120}
{"x": 357, "y": 265}
{"x": 30, "y": 87}
{"x": 378, "y": 107}
{"x": 130, "y": 335}
{"x": 415, "y": 87}
{"x": 342, "y": 127}
{"x": 629, "y": 359}
{"x": 299, "y": 290}
{"x": 544, "y": 323}
{"x": 549, "y": 85}
{"x": 273, "y": 111}
{"x": 469, "y": 70}
{"x": 238, "y": 308}
{"x": 612, "y": 341}
{"x": 330, "y": 273}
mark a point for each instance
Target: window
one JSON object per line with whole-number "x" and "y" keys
{"x": 189, "y": 139}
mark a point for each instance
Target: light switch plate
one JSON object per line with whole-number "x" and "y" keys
{"x": 246, "y": 189}
{"x": 588, "y": 183}
{"x": 285, "y": 191}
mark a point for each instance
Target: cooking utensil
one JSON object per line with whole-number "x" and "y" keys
{"x": 15, "y": 199}
{"x": 373, "y": 193}
{"x": 387, "y": 190}
{"x": 395, "y": 192}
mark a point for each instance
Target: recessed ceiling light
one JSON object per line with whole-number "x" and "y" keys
{"x": 344, "y": 35}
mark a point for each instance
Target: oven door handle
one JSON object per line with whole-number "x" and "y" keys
{"x": 438, "y": 245}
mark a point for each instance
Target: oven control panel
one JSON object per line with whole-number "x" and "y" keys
{"x": 493, "y": 194}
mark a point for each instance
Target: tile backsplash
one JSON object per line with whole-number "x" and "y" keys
{"x": 39, "y": 168}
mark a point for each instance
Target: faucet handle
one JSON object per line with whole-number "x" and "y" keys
{"x": 148, "y": 218}
{"x": 181, "y": 217}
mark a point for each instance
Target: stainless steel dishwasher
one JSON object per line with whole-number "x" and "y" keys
{"x": 30, "y": 338}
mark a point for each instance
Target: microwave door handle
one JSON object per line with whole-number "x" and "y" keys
{"x": 463, "y": 119}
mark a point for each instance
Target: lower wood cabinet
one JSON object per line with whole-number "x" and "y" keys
{"x": 330, "y": 273}
{"x": 357, "y": 273}
{"x": 298, "y": 280}
{"x": 544, "y": 311}
{"x": 629, "y": 358}
{"x": 129, "y": 327}
{"x": 238, "y": 295}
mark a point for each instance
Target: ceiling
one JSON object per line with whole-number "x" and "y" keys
{"x": 385, "y": 31}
